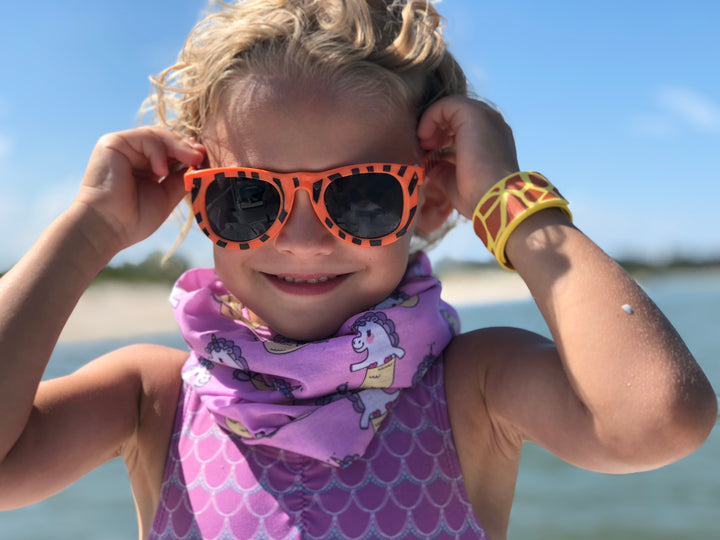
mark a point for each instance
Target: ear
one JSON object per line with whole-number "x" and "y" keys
{"x": 434, "y": 207}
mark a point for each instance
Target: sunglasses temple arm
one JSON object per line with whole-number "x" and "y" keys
{"x": 433, "y": 158}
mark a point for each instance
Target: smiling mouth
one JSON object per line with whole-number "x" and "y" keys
{"x": 307, "y": 285}
{"x": 322, "y": 279}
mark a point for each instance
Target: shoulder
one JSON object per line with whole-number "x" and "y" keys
{"x": 103, "y": 410}
{"x": 141, "y": 382}
{"x": 492, "y": 373}
{"x": 131, "y": 391}
{"x": 155, "y": 372}
{"x": 144, "y": 370}
{"x": 478, "y": 382}
{"x": 487, "y": 355}
{"x": 157, "y": 367}
{"x": 495, "y": 344}
{"x": 151, "y": 375}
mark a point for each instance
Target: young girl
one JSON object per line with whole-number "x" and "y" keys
{"x": 328, "y": 393}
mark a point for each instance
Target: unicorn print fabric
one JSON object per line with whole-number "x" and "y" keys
{"x": 322, "y": 399}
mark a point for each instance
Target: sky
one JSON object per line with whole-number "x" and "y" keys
{"x": 617, "y": 103}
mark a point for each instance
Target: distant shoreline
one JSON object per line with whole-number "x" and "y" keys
{"x": 154, "y": 270}
{"x": 119, "y": 309}
{"x": 114, "y": 308}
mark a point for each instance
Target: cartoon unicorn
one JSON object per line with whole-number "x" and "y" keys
{"x": 373, "y": 405}
{"x": 377, "y": 337}
{"x": 224, "y": 351}
{"x": 200, "y": 374}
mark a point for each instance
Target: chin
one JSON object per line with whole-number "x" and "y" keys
{"x": 298, "y": 332}
{"x": 315, "y": 322}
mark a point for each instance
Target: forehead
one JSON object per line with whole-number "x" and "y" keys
{"x": 287, "y": 125}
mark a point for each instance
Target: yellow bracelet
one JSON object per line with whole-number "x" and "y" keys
{"x": 508, "y": 203}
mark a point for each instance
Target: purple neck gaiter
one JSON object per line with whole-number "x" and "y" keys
{"x": 322, "y": 399}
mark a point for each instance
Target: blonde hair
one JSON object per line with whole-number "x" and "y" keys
{"x": 389, "y": 48}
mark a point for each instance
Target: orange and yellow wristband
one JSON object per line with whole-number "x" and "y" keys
{"x": 508, "y": 203}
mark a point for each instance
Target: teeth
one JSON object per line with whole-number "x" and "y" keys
{"x": 296, "y": 280}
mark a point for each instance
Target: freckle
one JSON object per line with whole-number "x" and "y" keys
{"x": 627, "y": 308}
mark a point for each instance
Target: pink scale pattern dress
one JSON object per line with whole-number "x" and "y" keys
{"x": 407, "y": 485}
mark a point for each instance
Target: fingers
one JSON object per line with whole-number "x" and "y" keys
{"x": 449, "y": 118}
{"x": 154, "y": 149}
{"x": 174, "y": 185}
{"x": 135, "y": 178}
{"x": 169, "y": 148}
{"x": 435, "y": 129}
{"x": 478, "y": 148}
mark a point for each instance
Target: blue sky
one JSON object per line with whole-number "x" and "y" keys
{"x": 618, "y": 103}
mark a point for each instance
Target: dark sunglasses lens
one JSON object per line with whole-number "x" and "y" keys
{"x": 241, "y": 209}
{"x": 366, "y": 205}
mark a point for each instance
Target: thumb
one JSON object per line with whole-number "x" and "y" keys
{"x": 174, "y": 187}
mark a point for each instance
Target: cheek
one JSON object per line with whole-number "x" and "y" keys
{"x": 228, "y": 267}
{"x": 393, "y": 258}
{"x": 388, "y": 265}
{"x": 221, "y": 260}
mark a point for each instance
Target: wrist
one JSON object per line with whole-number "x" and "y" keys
{"x": 90, "y": 238}
{"x": 541, "y": 236}
{"x": 508, "y": 204}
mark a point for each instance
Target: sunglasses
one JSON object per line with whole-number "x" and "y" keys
{"x": 372, "y": 204}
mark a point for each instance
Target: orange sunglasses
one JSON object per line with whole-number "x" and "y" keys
{"x": 372, "y": 204}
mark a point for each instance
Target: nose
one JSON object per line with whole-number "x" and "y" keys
{"x": 303, "y": 233}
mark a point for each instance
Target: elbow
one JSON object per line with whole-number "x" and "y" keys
{"x": 672, "y": 433}
{"x": 682, "y": 415}
{"x": 694, "y": 415}
{"x": 686, "y": 434}
{"x": 701, "y": 419}
{"x": 658, "y": 426}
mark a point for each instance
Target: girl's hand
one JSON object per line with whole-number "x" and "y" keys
{"x": 484, "y": 148}
{"x": 132, "y": 182}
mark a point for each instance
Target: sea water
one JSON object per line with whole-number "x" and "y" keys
{"x": 553, "y": 500}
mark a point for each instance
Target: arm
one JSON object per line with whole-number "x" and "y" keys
{"x": 112, "y": 407}
{"x": 615, "y": 392}
{"x": 639, "y": 398}
{"x": 119, "y": 203}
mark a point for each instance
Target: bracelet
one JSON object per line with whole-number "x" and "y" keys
{"x": 508, "y": 203}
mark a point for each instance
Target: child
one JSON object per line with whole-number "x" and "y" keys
{"x": 327, "y": 392}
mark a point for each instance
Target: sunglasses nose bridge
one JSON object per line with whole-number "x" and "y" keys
{"x": 313, "y": 186}
{"x": 304, "y": 231}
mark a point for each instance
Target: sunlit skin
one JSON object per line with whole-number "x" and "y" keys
{"x": 308, "y": 129}
{"x": 615, "y": 392}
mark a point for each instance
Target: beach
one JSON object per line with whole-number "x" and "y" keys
{"x": 118, "y": 309}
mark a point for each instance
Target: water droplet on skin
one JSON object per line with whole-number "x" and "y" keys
{"x": 627, "y": 308}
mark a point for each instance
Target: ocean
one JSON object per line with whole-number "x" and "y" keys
{"x": 553, "y": 500}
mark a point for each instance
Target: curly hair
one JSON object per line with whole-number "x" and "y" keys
{"x": 388, "y": 48}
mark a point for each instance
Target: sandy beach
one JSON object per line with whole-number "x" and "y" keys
{"x": 485, "y": 286}
{"x": 119, "y": 309}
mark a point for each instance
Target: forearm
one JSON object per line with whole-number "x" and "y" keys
{"x": 37, "y": 296}
{"x": 624, "y": 360}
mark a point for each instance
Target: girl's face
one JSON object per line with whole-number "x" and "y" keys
{"x": 305, "y": 282}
